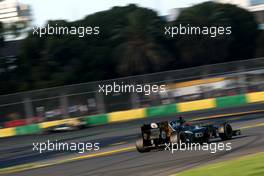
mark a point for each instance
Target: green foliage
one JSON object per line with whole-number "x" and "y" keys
{"x": 260, "y": 44}
{"x": 198, "y": 50}
{"x": 1, "y": 34}
{"x": 131, "y": 42}
{"x": 128, "y": 44}
{"x": 139, "y": 49}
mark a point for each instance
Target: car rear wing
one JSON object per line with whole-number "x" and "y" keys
{"x": 159, "y": 125}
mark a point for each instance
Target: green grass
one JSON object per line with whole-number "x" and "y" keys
{"x": 252, "y": 165}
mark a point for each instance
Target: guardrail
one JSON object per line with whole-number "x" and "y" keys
{"x": 141, "y": 113}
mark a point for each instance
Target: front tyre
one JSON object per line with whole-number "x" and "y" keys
{"x": 225, "y": 132}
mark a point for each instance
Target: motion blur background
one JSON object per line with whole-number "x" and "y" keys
{"x": 57, "y": 77}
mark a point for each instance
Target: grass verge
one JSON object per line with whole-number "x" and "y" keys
{"x": 251, "y": 165}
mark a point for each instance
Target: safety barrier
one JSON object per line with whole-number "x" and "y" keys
{"x": 96, "y": 119}
{"x": 162, "y": 110}
{"x": 141, "y": 113}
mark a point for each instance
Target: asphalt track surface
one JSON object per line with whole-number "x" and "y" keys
{"x": 18, "y": 150}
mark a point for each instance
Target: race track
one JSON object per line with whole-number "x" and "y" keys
{"x": 18, "y": 150}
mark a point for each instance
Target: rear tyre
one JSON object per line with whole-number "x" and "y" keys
{"x": 226, "y": 132}
{"x": 140, "y": 146}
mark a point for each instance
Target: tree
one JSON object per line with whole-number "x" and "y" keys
{"x": 140, "y": 49}
{"x": 260, "y": 44}
{"x": 2, "y": 61}
{"x": 199, "y": 50}
{"x": 1, "y": 34}
{"x": 131, "y": 42}
{"x": 8, "y": 78}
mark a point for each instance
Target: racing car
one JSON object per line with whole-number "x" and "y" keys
{"x": 156, "y": 135}
{"x": 64, "y": 125}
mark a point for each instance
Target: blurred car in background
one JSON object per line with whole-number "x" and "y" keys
{"x": 66, "y": 125}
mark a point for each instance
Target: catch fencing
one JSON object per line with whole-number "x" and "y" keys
{"x": 204, "y": 82}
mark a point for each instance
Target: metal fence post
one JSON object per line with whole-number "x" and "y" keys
{"x": 64, "y": 105}
{"x": 242, "y": 80}
{"x": 100, "y": 102}
{"x": 28, "y": 108}
{"x": 134, "y": 100}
